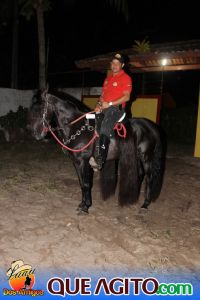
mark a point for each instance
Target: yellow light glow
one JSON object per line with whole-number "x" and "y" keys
{"x": 164, "y": 62}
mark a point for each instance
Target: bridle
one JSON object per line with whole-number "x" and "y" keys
{"x": 47, "y": 128}
{"x": 45, "y": 123}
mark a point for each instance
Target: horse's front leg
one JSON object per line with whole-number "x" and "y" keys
{"x": 85, "y": 174}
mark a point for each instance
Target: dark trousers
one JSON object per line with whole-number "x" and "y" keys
{"x": 105, "y": 122}
{"x": 107, "y": 119}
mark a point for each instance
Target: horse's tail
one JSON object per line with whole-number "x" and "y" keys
{"x": 158, "y": 167}
{"x": 108, "y": 179}
{"x": 129, "y": 183}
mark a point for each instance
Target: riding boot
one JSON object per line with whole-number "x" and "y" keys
{"x": 104, "y": 142}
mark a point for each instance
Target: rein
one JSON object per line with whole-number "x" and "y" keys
{"x": 47, "y": 127}
{"x": 118, "y": 127}
{"x": 70, "y": 149}
{"x": 81, "y": 117}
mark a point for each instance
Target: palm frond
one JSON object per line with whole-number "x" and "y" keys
{"x": 142, "y": 46}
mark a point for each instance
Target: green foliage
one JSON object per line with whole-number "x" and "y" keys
{"x": 28, "y": 7}
{"x": 142, "y": 46}
{"x": 15, "y": 119}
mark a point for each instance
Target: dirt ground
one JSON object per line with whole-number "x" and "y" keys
{"x": 39, "y": 194}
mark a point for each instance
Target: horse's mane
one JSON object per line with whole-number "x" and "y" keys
{"x": 37, "y": 100}
{"x": 69, "y": 98}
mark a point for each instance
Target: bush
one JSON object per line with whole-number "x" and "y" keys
{"x": 15, "y": 120}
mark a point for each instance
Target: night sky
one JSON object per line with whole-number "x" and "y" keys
{"x": 78, "y": 29}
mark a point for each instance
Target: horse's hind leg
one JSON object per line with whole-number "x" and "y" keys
{"x": 147, "y": 168}
{"x": 140, "y": 173}
{"x": 85, "y": 174}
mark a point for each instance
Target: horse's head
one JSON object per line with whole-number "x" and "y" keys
{"x": 40, "y": 115}
{"x": 42, "y": 111}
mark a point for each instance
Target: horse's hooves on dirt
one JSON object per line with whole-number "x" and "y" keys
{"x": 82, "y": 212}
{"x": 144, "y": 206}
{"x": 82, "y": 208}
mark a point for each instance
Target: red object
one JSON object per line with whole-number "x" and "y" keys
{"x": 81, "y": 117}
{"x": 114, "y": 86}
{"x": 74, "y": 150}
{"x": 119, "y": 127}
{"x": 45, "y": 129}
{"x": 121, "y": 130}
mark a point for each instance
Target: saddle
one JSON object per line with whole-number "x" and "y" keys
{"x": 106, "y": 120}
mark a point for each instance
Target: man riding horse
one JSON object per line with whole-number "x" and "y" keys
{"x": 110, "y": 108}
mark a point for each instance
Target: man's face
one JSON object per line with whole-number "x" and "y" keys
{"x": 116, "y": 66}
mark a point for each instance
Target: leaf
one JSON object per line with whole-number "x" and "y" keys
{"x": 142, "y": 46}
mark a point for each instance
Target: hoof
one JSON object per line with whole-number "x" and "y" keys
{"x": 145, "y": 206}
{"x": 82, "y": 208}
{"x": 82, "y": 213}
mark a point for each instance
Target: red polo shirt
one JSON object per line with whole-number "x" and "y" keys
{"x": 115, "y": 85}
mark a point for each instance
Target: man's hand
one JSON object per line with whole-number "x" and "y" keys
{"x": 105, "y": 105}
{"x": 98, "y": 107}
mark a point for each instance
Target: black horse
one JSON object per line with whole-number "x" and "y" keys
{"x": 140, "y": 155}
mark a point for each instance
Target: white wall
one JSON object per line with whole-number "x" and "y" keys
{"x": 11, "y": 99}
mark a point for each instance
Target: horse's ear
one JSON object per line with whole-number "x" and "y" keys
{"x": 44, "y": 92}
{"x": 36, "y": 99}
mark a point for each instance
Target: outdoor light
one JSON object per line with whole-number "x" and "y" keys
{"x": 164, "y": 62}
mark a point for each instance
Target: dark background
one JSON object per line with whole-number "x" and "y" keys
{"x": 77, "y": 29}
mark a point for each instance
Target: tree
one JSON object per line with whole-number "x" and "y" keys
{"x": 142, "y": 46}
{"x": 15, "y": 43}
{"x": 9, "y": 12}
{"x": 30, "y": 7}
